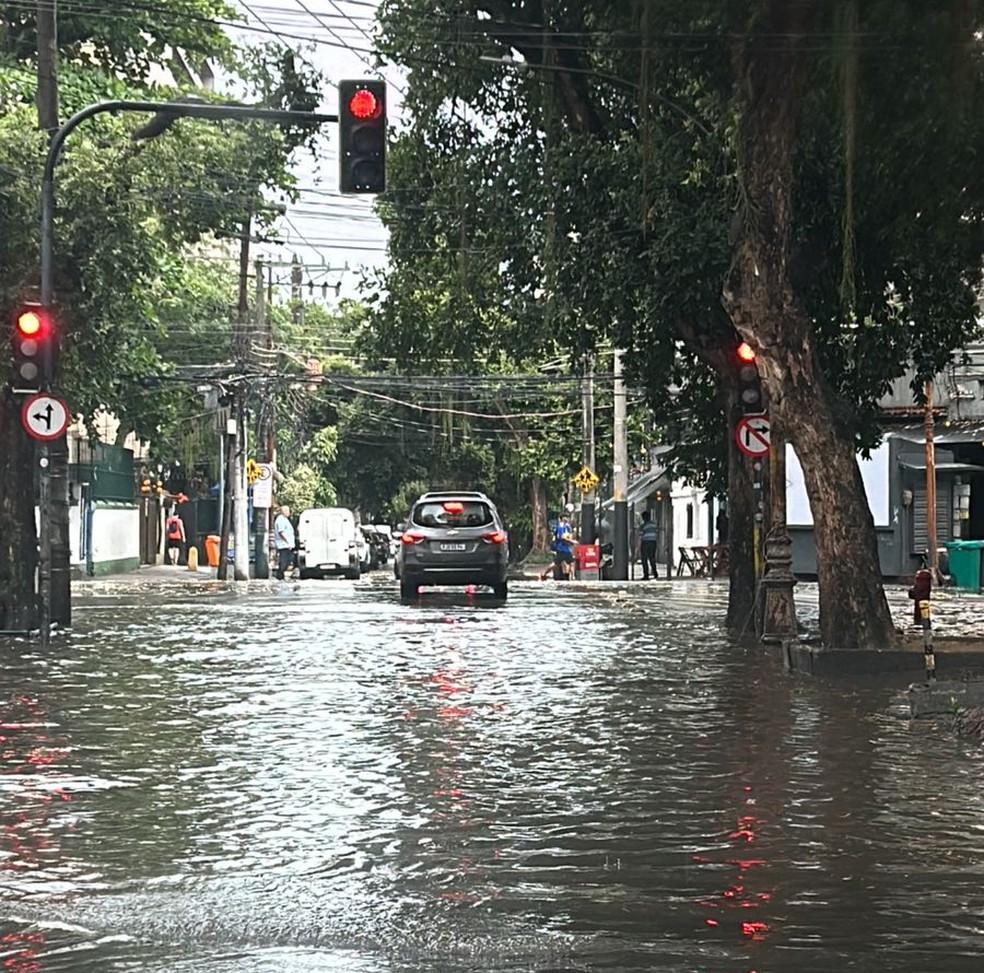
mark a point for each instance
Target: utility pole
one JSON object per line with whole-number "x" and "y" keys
{"x": 229, "y": 474}
{"x": 47, "y": 30}
{"x": 55, "y": 545}
{"x": 240, "y": 527}
{"x": 296, "y": 290}
{"x": 587, "y": 417}
{"x": 261, "y": 522}
{"x": 235, "y": 470}
{"x": 932, "y": 538}
{"x": 620, "y": 511}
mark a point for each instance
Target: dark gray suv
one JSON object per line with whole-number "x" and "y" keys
{"x": 453, "y": 538}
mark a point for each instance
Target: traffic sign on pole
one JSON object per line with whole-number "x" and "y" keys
{"x": 586, "y": 479}
{"x": 752, "y": 435}
{"x": 263, "y": 487}
{"x": 44, "y": 417}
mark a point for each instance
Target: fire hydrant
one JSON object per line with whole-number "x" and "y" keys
{"x": 922, "y": 586}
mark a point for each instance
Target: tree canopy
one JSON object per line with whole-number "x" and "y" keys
{"x": 665, "y": 174}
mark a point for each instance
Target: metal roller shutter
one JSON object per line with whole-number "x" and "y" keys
{"x": 944, "y": 516}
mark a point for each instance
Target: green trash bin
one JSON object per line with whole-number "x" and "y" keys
{"x": 966, "y": 559}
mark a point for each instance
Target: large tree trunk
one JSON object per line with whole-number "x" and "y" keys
{"x": 765, "y": 309}
{"x": 538, "y": 510}
{"x": 18, "y": 537}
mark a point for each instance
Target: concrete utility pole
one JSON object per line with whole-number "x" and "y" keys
{"x": 47, "y": 98}
{"x": 932, "y": 538}
{"x": 52, "y": 458}
{"x": 240, "y": 527}
{"x": 237, "y": 448}
{"x": 587, "y": 417}
{"x": 261, "y": 522}
{"x": 296, "y": 292}
{"x": 620, "y": 511}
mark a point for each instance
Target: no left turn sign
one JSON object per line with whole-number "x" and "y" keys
{"x": 44, "y": 417}
{"x": 752, "y": 435}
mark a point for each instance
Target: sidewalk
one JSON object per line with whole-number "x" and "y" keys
{"x": 179, "y": 574}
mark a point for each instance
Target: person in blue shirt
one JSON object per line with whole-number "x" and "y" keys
{"x": 563, "y": 548}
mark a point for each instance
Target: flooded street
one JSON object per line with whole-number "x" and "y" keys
{"x": 318, "y": 778}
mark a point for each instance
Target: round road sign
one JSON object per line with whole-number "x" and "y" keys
{"x": 752, "y": 435}
{"x": 44, "y": 416}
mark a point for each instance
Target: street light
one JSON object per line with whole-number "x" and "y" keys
{"x": 54, "y": 573}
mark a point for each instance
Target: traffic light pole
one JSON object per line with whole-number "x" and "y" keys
{"x": 55, "y": 589}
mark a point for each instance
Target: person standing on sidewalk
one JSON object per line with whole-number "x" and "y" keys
{"x": 283, "y": 540}
{"x": 648, "y": 541}
{"x": 174, "y": 532}
{"x": 563, "y": 548}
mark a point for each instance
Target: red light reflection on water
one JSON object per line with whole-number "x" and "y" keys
{"x": 738, "y": 895}
{"x": 26, "y": 831}
{"x": 23, "y": 960}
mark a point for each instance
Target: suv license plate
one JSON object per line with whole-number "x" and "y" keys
{"x": 454, "y": 547}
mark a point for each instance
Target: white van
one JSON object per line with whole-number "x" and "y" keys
{"x": 327, "y": 541}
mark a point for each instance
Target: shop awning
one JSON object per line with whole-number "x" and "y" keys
{"x": 643, "y": 485}
{"x": 963, "y": 432}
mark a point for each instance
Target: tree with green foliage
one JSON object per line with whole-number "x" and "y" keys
{"x": 678, "y": 177}
{"x": 126, "y": 213}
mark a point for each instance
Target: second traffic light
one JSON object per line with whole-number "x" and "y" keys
{"x": 749, "y": 384}
{"x": 34, "y": 343}
{"x": 362, "y": 136}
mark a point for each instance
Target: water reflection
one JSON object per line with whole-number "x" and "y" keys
{"x": 321, "y": 778}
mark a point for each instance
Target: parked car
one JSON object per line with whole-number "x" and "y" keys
{"x": 327, "y": 543}
{"x": 362, "y": 545}
{"x": 379, "y": 545}
{"x": 453, "y": 538}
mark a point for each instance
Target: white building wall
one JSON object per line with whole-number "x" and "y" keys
{"x": 115, "y": 534}
{"x": 690, "y": 517}
{"x": 75, "y": 528}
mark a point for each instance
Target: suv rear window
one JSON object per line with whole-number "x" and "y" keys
{"x": 452, "y": 513}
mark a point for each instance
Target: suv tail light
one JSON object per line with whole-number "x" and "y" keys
{"x": 495, "y": 537}
{"x": 410, "y": 537}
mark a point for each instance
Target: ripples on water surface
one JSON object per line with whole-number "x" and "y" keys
{"x": 322, "y": 779}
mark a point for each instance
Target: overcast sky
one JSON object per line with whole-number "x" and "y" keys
{"x": 323, "y": 227}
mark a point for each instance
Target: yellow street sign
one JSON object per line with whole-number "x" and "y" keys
{"x": 253, "y": 471}
{"x": 586, "y": 479}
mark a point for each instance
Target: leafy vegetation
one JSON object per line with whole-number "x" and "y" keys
{"x": 136, "y": 222}
{"x": 672, "y": 176}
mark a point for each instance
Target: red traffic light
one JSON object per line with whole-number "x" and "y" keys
{"x": 30, "y": 323}
{"x": 746, "y": 352}
{"x": 364, "y": 105}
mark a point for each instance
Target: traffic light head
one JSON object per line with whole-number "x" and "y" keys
{"x": 362, "y": 136}
{"x": 33, "y": 340}
{"x": 749, "y": 385}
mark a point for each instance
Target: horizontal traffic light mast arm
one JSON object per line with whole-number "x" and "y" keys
{"x": 173, "y": 109}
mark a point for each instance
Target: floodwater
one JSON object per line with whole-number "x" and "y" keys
{"x": 316, "y": 778}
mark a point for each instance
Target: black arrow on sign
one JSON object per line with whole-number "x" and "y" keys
{"x": 45, "y": 416}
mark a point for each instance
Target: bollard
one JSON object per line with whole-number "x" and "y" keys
{"x": 192, "y": 557}
{"x": 928, "y": 654}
